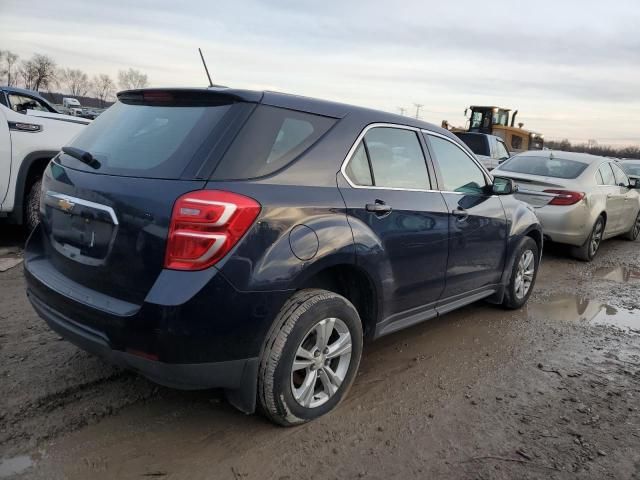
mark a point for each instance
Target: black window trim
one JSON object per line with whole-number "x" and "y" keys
{"x": 425, "y": 154}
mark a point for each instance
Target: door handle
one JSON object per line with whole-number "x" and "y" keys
{"x": 460, "y": 213}
{"x": 379, "y": 208}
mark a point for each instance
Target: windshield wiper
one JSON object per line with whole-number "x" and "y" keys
{"x": 82, "y": 155}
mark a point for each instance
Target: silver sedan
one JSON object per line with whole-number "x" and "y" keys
{"x": 580, "y": 199}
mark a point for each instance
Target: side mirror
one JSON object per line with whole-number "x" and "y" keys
{"x": 504, "y": 186}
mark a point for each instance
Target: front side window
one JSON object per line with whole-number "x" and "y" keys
{"x": 607, "y": 174}
{"x": 621, "y": 178}
{"x": 21, "y": 103}
{"x": 459, "y": 172}
{"x": 395, "y": 160}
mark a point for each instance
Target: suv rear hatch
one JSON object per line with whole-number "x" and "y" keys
{"x": 107, "y": 202}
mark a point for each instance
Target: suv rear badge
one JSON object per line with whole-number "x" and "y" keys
{"x": 65, "y": 205}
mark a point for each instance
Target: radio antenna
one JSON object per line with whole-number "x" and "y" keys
{"x": 205, "y": 68}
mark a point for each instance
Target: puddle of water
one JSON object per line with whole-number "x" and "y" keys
{"x": 573, "y": 308}
{"x": 14, "y": 465}
{"x": 618, "y": 274}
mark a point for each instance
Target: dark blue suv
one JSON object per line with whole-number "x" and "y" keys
{"x": 252, "y": 240}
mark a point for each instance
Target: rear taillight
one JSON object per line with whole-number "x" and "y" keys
{"x": 565, "y": 197}
{"x": 205, "y": 225}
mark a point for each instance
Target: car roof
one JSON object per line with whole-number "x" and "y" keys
{"x": 20, "y": 91}
{"x": 307, "y": 104}
{"x": 561, "y": 154}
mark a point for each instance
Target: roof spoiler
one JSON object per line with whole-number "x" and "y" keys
{"x": 187, "y": 97}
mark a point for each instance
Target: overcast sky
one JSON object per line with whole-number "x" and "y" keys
{"x": 572, "y": 68}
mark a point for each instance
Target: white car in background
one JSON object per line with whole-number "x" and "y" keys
{"x": 32, "y": 132}
{"x": 580, "y": 199}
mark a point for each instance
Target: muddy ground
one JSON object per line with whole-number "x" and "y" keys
{"x": 550, "y": 391}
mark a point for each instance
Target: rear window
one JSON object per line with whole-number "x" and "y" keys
{"x": 146, "y": 141}
{"x": 544, "y": 166}
{"x": 477, "y": 143}
{"x": 271, "y": 139}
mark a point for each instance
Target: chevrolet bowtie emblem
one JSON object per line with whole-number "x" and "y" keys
{"x": 65, "y": 204}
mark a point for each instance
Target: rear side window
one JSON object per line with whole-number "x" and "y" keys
{"x": 359, "y": 170}
{"x": 394, "y": 159}
{"x": 607, "y": 174}
{"x": 271, "y": 139}
{"x": 146, "y": 141}
{"x": 544, "y": 166}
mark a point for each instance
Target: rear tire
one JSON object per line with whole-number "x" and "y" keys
{"x": 523, "y": 274}
{"x": 587, "y": 251}
{"x": 635, "y": 230}
{"x": 311, "y": 357}
{"x": 32, "y": 205}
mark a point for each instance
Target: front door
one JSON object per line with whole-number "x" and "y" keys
{"x": 400, "y": 224}
{"x": 477, "y": 221}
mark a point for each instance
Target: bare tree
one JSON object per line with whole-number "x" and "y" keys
{"x": 39, "y": 72}
{"x": 76, "y": 81}
{"x": 8, "y": 66}
{"x": 103, "y": 87}
{"x": 128, "y": 79}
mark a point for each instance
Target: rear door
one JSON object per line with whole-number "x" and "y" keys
{"x": 477, "y": 221}
{"x": 390, "y": 193}
{"x": 5, "y": 155}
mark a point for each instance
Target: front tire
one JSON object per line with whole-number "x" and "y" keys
{"x": 32, "y": 205}
{"x": 523, "y": 274}
{"x": 311, "y": 357}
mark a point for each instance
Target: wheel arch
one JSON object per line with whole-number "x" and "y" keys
{"x": 32, "y": 166}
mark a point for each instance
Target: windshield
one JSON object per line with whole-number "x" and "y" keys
{"x": 146, "y": 141}
{"x": 631, "y": 168}
{"x": 544, "y": 166}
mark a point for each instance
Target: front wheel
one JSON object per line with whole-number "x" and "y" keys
{"x": 311, "y": 357}
{"x": 523, "y": 274}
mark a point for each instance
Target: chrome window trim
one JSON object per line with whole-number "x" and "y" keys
{"x": 86, "y": 203}
{"x": 351, "y": 152}
{"x": 343, "y": 167}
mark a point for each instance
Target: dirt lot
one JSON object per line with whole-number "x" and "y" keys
{"x": 550, "y": 391}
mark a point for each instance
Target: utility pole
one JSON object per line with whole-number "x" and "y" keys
{"x": 402, "y": 110}
{"x": 418, "y": 107}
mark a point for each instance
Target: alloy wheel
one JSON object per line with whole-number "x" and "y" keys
{"x": 524, "y": 274}
{"x": 596, "y": 238}
{"x": 321, "y": 362}
{"x": 636, "y": 227}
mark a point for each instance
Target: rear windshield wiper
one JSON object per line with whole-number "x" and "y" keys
{"x": 82, "y": 155}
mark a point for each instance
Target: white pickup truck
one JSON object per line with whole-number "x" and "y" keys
{"x": 32, "y": 132}
{"x": 489, "y": 149}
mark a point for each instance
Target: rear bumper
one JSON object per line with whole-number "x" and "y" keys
{"x": 230, "y": 374}
{"x": 569, "y": 224}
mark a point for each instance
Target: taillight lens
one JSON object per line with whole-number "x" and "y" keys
{"x": 565, "y": 197}
{"x": 205, "y": 225}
